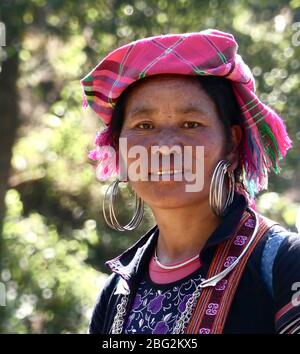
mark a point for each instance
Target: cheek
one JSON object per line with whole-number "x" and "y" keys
{"x": 133, "y": 141}
{"x": 214, "y": 146}
{"x": 213, "y": 149}
{"x": 211, "y": 139}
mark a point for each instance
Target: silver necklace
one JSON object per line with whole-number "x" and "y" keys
{"x": 174, "y": 266}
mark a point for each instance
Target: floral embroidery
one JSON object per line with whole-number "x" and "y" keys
{"x": 155, "y": 310}
{"x": 240, "y": 240}
{"x": 229, "y": 261}
{"x": 212, "y": 309}
{"x": 137, "y": 301}
{"x": 182, "y": 305}
{"x": 156, "y": 304}
{"x": 250, "y": 223}
{"x": 221, "y": 285}
{"x": 161, "y": 328}
{"x": 204, "y": 331}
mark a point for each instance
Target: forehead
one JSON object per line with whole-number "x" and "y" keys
{"x": 166, "y": 88}
{"x": 163, "y": 80}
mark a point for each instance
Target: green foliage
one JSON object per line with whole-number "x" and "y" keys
{"x": 279, "y": 208}
{"x": 50, "y": 288}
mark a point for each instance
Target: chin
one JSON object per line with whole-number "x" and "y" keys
{"x": 167, "y": 194}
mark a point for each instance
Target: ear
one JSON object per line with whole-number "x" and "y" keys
{"x": 236, "y": 138}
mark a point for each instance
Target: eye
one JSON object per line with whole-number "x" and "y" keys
{"x": 191, "y": 124}
{"x": 144, "y": 126}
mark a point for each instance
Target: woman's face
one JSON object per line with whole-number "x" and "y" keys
{"x": 174, "y": 110}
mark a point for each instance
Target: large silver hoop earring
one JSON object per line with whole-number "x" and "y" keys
{"x": 111, "y": 219}
{"x": 217, "y": 188}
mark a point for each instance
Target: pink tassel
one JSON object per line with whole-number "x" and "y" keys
{"x": 252, "y": 204}
{"x": 94, "y": 155}
{"x": 107, "y": 159}
{"x": 84, "y": 101}
{"x": 279, "y": 130}
{"x": 104, "y": 137}
{"x": 107, "y": 166}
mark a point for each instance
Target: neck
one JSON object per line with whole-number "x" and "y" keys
{"x": 184, "y": 231}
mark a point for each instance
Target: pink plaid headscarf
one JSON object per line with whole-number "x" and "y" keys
{"x": 209, "y": 52}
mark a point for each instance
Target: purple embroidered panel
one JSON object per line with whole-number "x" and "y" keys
{"x": 157, "y": 307}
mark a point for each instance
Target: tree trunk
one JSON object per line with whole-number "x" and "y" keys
{"x": 9, "y": 123}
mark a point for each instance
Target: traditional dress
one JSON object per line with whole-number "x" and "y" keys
{"x": 137, "y": 299}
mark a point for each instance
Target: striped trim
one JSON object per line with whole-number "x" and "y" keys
{"x": 235, "y": 279}
{"x": 203, "y": 301}
{"x": 292, "y": 327}
{"x": 285, "y": 309}
{"x": 214, "y": 303}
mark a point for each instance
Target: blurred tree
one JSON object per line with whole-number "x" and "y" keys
{"x": 49, "y": 286}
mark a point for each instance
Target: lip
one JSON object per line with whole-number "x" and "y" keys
{"x": 166, "y": 172}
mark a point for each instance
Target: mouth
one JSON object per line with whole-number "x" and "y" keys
{"x": 167, "y": 175}
{"x": 166, "y": 172}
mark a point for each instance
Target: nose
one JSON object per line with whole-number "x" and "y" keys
{"x": 167, "y": 139}
{"x": 165, "y": 157}
{"x": 167, "y": 149}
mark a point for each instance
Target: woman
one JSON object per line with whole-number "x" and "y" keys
{"x": 211, "y": 264}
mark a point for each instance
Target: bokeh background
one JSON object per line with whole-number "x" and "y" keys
{"x": 53, "y": 238}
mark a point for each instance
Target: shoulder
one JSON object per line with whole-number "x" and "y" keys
{"x": 277, "y": 243}
{"x": 286, "y": 268}
{"x": 283, "y": 247}
{"x": 108, "y": 286}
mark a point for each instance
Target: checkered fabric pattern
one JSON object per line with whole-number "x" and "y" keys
{"x": 209, "y": 52}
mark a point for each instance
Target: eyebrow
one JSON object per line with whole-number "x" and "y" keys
{"x": 141, "y": 110}
{"x": 148, "y": 110}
